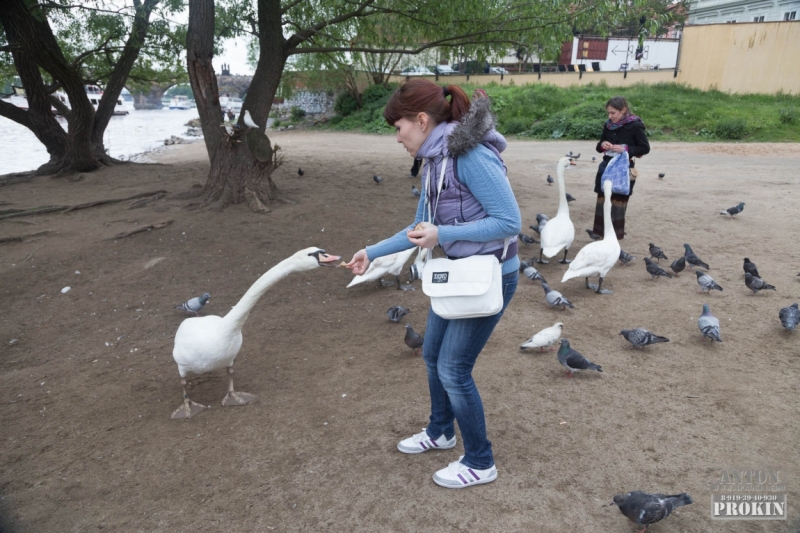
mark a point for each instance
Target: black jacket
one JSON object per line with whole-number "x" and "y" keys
{"x": 631, "y": 134}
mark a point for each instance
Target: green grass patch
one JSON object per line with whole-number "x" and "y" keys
{"x": 671, "y": 112}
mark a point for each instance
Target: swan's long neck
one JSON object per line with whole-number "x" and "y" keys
{"x": 563, "y": 205}
{"x": 608, "y": 226}
{"x": 237, "y": 316}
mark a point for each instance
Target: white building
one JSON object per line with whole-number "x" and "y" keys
{"x": 728, "y": 11}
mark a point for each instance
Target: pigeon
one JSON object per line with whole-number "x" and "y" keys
{"x": 230, "y": 128}
{"x": 735, "y": 210}
{"x": 578, "y": 156}
{"x": 570, "y": 198}
{"x": 569, "y": 154}
{"x": 594, "y": 236}
{"x": 537, "y": 229}
{"x": 594, "y": 158}
{"x": 396, "y": 313}
{"x": 640, "y": 337}
{"x": 530, "y": 272}
{"x": 300, "y": 172}
{"x": 692, "y": 259}
{"x": 709, "y": 325}
{"x": 249, "y": 122}
{"x": 625, "y": 257}
{"x": 756, "y": 284}
{"x": 750, "y": 267}
{"x": 194, "y": 305}
{"x": 657, "y": 252}
{"x": 415, "y": 191}
{"x": 545, "y": 338}
{"x": 654, "y": 269}
{"x": 413, "y": 340}
{"x": 574, "y": 361}
{"x": 377, "y": 179}
{"x": 790, "y": 317}
{"x": 549, "y": 179}
{"x": 527, "y": 240}
{"x": 661, "y": 174}
{"x": 678, "y": 265}
{"x": 645, "y": 509}
{"x": 541, "y": 219}
{"x": 706, "y": 282}
{"x": 554, "y": 298}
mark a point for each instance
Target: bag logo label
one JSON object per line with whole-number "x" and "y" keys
{"x": 440, "y": 277}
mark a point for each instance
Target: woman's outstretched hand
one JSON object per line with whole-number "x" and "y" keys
{"x": 359, "y": 263}
{"x": 427, "y": 237}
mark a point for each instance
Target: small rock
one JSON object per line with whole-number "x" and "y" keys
{"x": 65, "y": 290}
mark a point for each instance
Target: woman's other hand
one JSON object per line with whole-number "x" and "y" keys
{"x": 359, "y": 263}
{"x": 618, "y": 148}
{"x": 606, "y": 146}
{"x": 426, "y": 238}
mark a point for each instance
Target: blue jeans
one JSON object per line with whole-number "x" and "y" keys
{"x": 450, "y": 351}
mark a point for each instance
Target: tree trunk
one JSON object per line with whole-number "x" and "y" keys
{"x": 242, "y": 162}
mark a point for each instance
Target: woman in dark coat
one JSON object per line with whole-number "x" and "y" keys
{"x": 622, "y": 132}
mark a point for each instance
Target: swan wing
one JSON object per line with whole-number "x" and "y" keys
{"x": 203, "y": 344}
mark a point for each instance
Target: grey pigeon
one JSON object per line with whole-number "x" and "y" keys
{"x": 554, "y": 298}
{"x": 413, "y": 340}
{"x": 415, "y": 191}
{"x": 527, "y": 240}
{"x": 790, "y": 317}
{"x": 396, "y": 313}
{"x": 750, "y": 267}
{"x": 194, "y": 305}
{"x": 300, "y": 171}
{"x": 654, "y": 270}
{"x": 678, "y": 265}
{"x": 735, "y": 210}
{"x": 706, "y": 282}
{"x": 569, "y": 155}
{"x": 657, "y": 252}
{"x": 625, "y": 257}
{"x": 530, "y": 272}
{"x": 377, "y": 179}
{"x": 573, "y": 361}
{"x": 661, "y": 174}
{"x": 640, "y": 337}
{"x": 537, "y": 229}
{"x": 756, "y": 284}
{"x": 541, "y": 219}
{"x": 594, "y": 236}
{"x": 549, "y": 179}
{"x": 692, "y": 259}
{"x": 570, "y": 198}
{"x": 644, "y": 508}
{"x": 594, "y": 158}
{"x": 709, "y": 325}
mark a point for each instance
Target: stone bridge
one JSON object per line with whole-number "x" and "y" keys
{"x": 228, "y": 86}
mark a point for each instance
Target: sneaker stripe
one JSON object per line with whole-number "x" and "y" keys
{"x": 433, "y": 442}
{"x": 473, "y": 474}
{"x": 422, "y": 443}
{"x": 464, "y": 481}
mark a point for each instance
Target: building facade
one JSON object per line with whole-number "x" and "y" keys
{"x": 730, "y": 11}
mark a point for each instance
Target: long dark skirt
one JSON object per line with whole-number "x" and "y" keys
{"x": 619, "y": 203}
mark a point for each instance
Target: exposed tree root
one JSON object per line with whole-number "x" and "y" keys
{"x": 254, "y": 202}
{"x": 20, "y": 238}
{"x": 144, "y": 201}
{"x": 194, "y": 192}
{"x": 70, "y": 208}
{"x": 17, "y": 177}
{"x": 156, "y": 225}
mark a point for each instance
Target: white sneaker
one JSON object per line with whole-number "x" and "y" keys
{"x": 421, "y": 442}
{"x": 457, "y": 475}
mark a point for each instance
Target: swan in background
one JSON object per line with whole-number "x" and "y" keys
{"x": 207, "y": 343}
{"x": 388, "y": 264}
{"x": 559, "y": 232}
{"x": 597, "y": 258}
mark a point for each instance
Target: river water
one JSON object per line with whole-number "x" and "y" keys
{"x": 125, "y": 137}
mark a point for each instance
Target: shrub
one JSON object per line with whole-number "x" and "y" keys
{"x": 377, "y": 93}
{"x": 514, "y": 125}
{"x": 298, "y": 113}
{"x": 335, "y": 119}
{"x": 345, "y": 104}
{"x": 734, "y": 128}
{"x": 787, "y": 115}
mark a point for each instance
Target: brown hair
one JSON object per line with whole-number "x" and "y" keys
{"x": 423, "y": 96}
{"x": 619, "y": 103}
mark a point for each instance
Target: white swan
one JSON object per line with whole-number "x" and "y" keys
{"x": 597, "y": 258}
{"x": 207, "y": 343}
{"x": 559, "y": 232}
{"x": 388, "y": 264}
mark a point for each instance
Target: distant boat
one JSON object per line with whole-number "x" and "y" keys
{"x": 95, "y": 93}
{"x": 180, "y": 102}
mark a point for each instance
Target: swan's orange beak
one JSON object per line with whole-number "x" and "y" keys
{"x": 328, "y": 260}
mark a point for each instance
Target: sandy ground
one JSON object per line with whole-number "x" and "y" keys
{"x": 88, "y": 383}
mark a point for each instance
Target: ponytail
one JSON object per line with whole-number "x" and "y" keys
{"x": 441, "y": 104}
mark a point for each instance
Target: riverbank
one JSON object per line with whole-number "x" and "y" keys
{"x": 88, "y": 381}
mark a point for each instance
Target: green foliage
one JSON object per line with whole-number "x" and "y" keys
{"x": 671, "y": 112}
{"x": 297, "y": 114}
{"x": 377, "y": 93}
{"x": 734, "y": 128}
{"x": 345, "y": 104}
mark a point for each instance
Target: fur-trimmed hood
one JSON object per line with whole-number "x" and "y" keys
{"x": 476, "y": 127}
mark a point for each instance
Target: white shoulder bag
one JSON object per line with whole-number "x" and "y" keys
{"x": 461, "y": 288}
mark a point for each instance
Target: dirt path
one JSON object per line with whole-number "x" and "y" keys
{"x": 87, "y": 379}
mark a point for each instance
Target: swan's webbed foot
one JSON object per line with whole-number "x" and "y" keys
{"x": 238, "y": 398}
{"x": 540, "y": 260}
{"x": 598, "y": 288}
{"x": 187, "y": 410}
{"x": 382, "y": 283}
{"x": 565, "y": 261}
